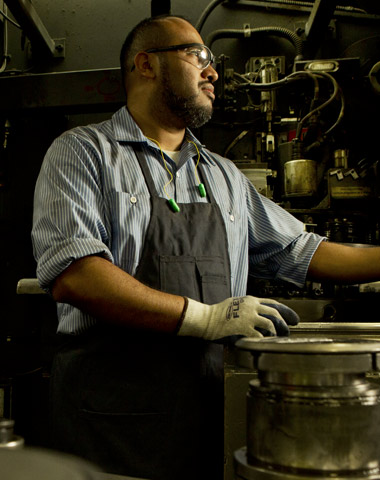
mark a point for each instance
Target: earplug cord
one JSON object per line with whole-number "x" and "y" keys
{"x": 199, "y": 156}
{"x": 201, "y": 187}
{"x": 165, "y": 164}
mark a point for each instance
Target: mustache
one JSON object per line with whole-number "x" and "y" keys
{"x": 205, "y": 82}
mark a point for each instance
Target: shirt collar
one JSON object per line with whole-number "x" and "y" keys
{"x": 126, "y": 130}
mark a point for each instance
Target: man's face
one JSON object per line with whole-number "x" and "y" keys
{"x": 185, "y": 90}
{"x": 189, "y": 99}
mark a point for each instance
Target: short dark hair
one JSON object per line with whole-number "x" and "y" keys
{"x": 146, "y": 34}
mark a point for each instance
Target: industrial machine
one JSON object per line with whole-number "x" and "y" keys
{"x": 311, "y": 413}
{"x": 298, "y": 110}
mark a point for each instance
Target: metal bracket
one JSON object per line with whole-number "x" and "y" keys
{"x": 60, "y": 47}
{"x": 27, "y": 16}
{"x": 319, "y": 18}
{"x": 255, "y": 64}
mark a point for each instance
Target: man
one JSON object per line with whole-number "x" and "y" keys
{"x": 145, "y": 238}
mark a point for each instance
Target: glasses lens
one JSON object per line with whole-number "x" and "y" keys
{"x": 209, "y": 57}
{"x": 202, "y": 55}
{"x": 204, "y": 58}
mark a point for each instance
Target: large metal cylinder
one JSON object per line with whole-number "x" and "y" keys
{"x": 7, "y": 438}
{"x": 300, "y": 178}
{"x": 312, "y": 412}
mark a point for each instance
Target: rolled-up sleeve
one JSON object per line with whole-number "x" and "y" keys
{"x": 279, "y": 248}
{"x": 69, "y": 215}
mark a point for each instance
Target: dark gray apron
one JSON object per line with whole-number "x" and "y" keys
{"x": 151, "y": 405}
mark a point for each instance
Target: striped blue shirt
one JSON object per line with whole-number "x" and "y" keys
{"x": 91, "y": 198}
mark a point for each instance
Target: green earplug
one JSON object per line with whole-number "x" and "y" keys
{"x": 173, "y": 205}
{"x": 202, "y": 190}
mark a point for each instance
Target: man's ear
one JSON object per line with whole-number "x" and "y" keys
{"x": 146, "y": 64}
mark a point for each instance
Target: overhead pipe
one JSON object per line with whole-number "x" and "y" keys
{"x": 246, "y": 33}
{"x": 206, "y": 12}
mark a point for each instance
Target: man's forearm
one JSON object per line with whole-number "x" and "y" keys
{"x": 99, "y": 288}
{"x": 345, "y": 264}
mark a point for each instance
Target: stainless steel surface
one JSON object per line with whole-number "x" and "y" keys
{"x": 344, "y": 327}
{"x": 313, "y": 408}
{"x": 337, "y": 333}
{"x": 246, "y": 471}
{"x": 307, "y": 345}
{"x": 36, "y": 463}
{"x": 111, "y": 476}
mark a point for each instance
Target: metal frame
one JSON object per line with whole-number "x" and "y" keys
{"x": 27, "y": 16}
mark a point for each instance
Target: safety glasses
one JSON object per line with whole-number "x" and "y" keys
{"x": 197, "y": 54}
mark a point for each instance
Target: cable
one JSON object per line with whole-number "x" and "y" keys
{"x": 5, "y": 15}
{"x": 244, "y": 76}
{"x": 295, "y": 76}
{"x": 320, "y": 107}
{"x": 5, "y": 32}
{"x": 201, "y": 187}
{"x": 322, "y": 138}
{"x": 165, "y": 164}
{"x": 346, "y": 8}
{"x": 341, "y": 113}
{"x": 206, "y": 12}
{"x": 235, "y": 141}
{"x": 268, "y": 86}
{"x": 199, "y": 156}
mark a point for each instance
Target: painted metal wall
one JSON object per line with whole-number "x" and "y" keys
{"x": 93, "y": 30}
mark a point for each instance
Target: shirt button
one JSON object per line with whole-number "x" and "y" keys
{"x": 178, "y": 174}
{"x": 133, "y": 200}
{"x": 232, "y": 218}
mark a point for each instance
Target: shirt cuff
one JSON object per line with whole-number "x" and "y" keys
{"x": 58, "y": 257}
{"x": 295, "y": 265}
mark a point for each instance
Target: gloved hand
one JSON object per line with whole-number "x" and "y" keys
{"x": 248, "y": 316}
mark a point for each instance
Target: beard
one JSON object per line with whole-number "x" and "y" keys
{"x": 185, "y": 108}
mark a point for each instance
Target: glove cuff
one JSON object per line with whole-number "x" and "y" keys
{"x": 193, "y": 321}
{"x": 180, "y": 321}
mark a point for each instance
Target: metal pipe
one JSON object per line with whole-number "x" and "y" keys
{"x": 246, "y": 33}
{"x": 206, "y": 12}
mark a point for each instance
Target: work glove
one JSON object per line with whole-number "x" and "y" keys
{"x": 247, "y": 316}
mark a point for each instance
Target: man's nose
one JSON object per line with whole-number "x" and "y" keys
{"x": 210, "y": 73}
